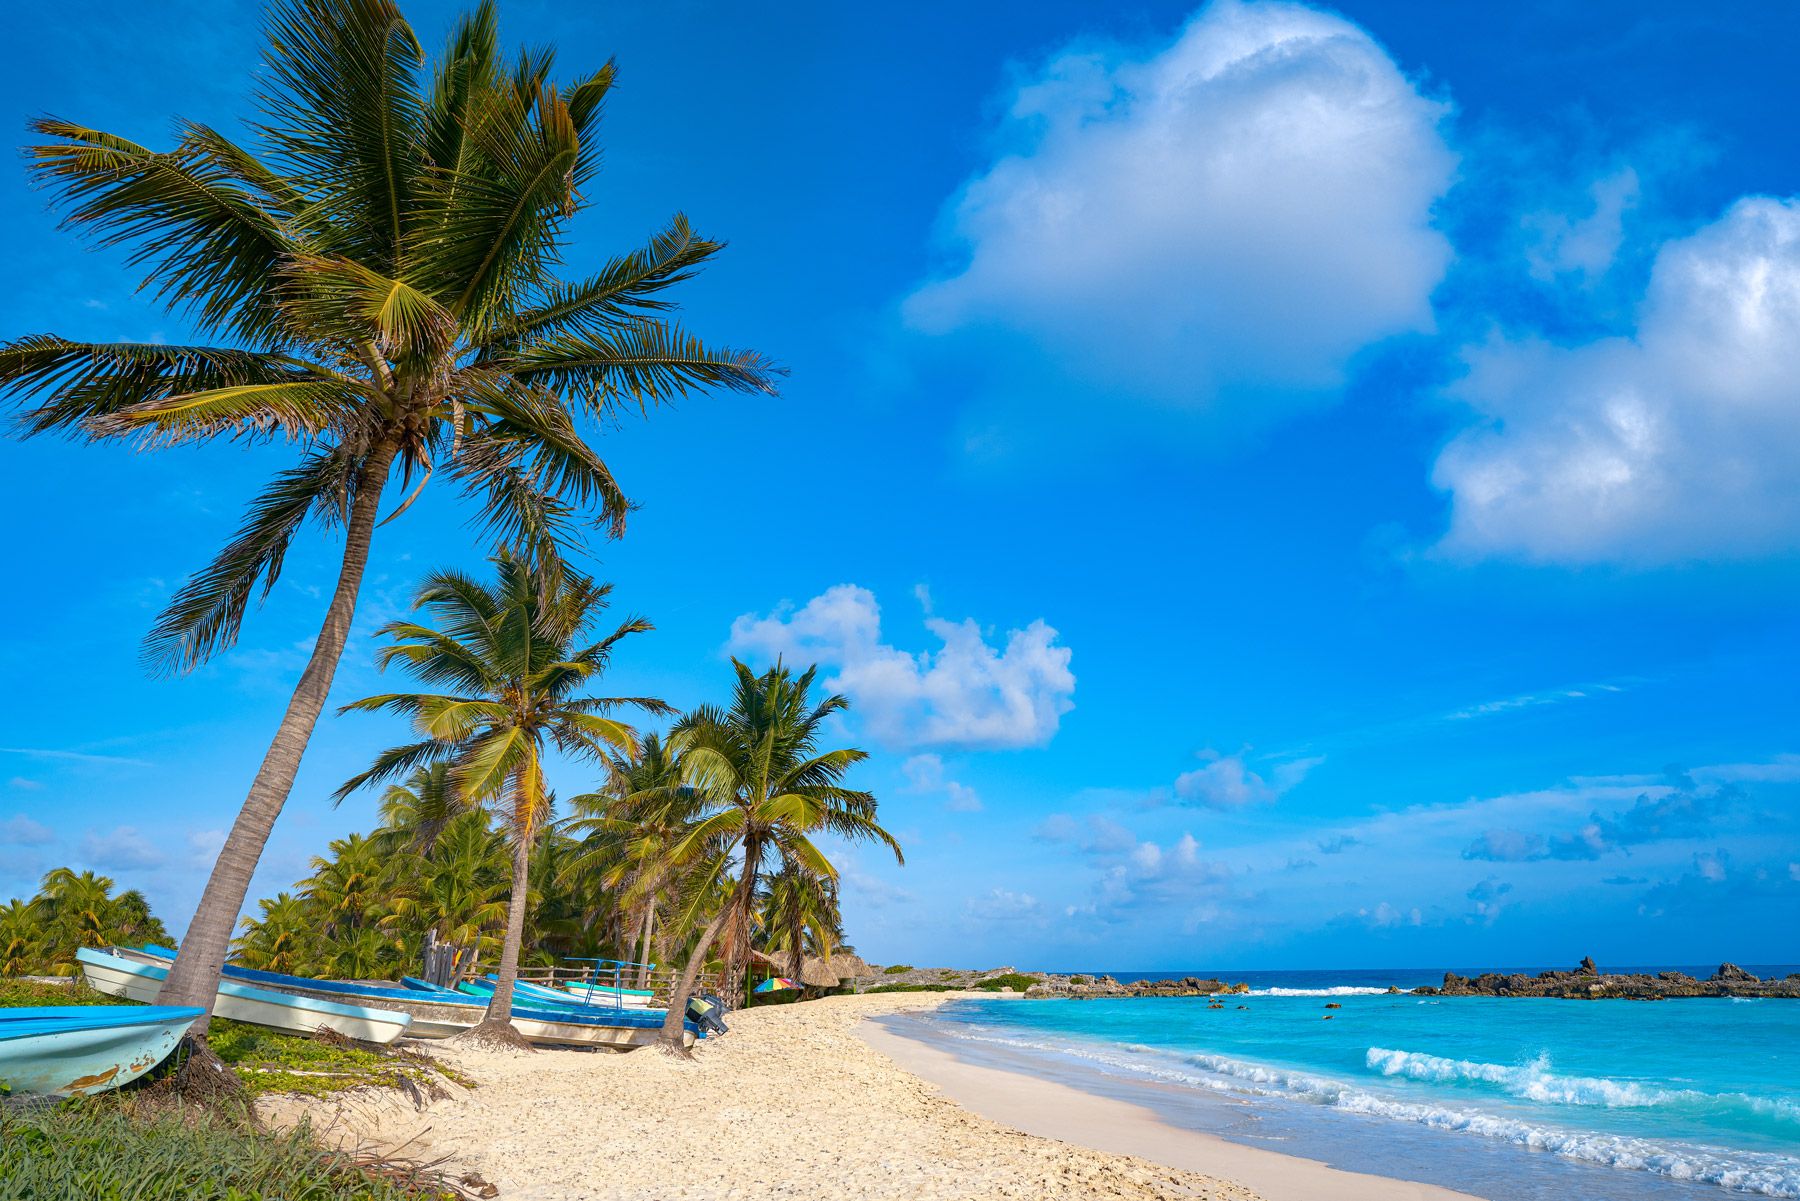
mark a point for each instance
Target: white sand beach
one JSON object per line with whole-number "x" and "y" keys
{"x": 811, "y": 1100}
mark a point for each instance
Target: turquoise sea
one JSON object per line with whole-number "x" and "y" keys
{"x": 1511, "y": 1099}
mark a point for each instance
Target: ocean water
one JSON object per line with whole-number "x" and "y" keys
{"x": 1511, "y": 1099}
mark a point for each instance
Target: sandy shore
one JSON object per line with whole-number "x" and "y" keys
{"x": 796, "y": 1102}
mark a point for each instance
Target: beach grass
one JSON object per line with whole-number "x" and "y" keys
{"x": 99, "y": 1151}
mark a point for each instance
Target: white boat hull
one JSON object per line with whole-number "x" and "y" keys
{"x": 257, "y": 1007}
{"x": 583, "y": 1034}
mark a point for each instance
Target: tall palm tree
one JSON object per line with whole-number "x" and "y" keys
{"x": 349, "y": 889}
{"x": 78, "y": 911}
{"x": 378, "y": 283}
{"x": 767, "y": 790}
{"x": 511, "y": 652}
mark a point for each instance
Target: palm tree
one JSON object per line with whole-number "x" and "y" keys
{"x": 415, "y": 814}
{"x": 627, "y": 832}
{"x": 350, "y": 888}
{"x": 767, "y": 790}
{"x": 800, "y": 914}
{"x": 458, "y": 891}
{"x": 21, "y": 939}
{"x": 510, "y": 651}
{"x": 282, "y": 939}
{"x": 78, "y": 911}
{"x": 378, "y": 281}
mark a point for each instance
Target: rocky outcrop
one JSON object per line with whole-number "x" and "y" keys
{"x": 1107, "y": 986}
{"x": 1588, "y": 982}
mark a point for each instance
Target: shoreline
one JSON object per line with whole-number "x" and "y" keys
{"x": 800, "y": 1101}
{"x": 1052, "y": 1110}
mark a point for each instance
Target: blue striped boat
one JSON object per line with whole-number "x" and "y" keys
{"x": 117, "y": 974}
{"x": 80, "y": 1050}
{"x": 432, "y": 1017}
{"x": 577, "y": 1025}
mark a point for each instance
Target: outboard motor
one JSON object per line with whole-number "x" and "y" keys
{"x": 707, "y": 1011}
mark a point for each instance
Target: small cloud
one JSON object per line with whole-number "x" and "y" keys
{"x": 1300, "y": 865}
{"x": 1337, "y": 844}
{"x": 925, "y": 773}
{"x": 24, "y": 784}
{"x": 1004, "y": 905}
{"x": 121, "y": 846}
{"x": 62, "y": 756}
{"x": 1224, "y": 782}
{"x": 1626, "y": 881}
{"x": 22, "y": 831}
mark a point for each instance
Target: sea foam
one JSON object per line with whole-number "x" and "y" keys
{"x": 1745, "y": 1171}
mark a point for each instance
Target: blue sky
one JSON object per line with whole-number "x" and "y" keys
{"x": 1281, "y": 486}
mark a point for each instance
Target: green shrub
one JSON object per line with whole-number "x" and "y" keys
{"x": 1078, "y": 980}
{"x": 896, "y": 969}
{"x": 1017, "y": 981}
{"x": 95, "y": 1151}
{"x": 912, "y": 988}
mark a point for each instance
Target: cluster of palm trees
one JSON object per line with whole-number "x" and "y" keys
{"x": 71, "y": 910}
{"x": 375, "y": 279}
{"x": 704, "y": 841}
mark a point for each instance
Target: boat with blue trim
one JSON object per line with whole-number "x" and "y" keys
{"x": 80, "y": 1050}
{"x": 432, "y": 1016}
{"x": 119, "y": 975}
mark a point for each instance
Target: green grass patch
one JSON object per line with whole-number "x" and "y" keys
{"x": 1078, "y": 980}
{"x": 1017, "y": 981}
{"x": 913, "y": 988}
{"x": 268, "y": 1062}
{"x": 25, "y": 994}
{"x": 97, "y": 1151}
{"x": 896, "y": 969}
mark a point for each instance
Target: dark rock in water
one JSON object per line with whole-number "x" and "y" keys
{"x": 1333, "y": 1005}
{"x": 1588, "y": 983}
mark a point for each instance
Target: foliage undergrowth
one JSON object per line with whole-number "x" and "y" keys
{"x": 1078, "y": 980}
{"x": 896, "y": 969}
{"x": 280, "y": 1063}
{"x": 99, "y": 1151}
{"x": 1017, "y": 981}
{"x": 17, "y": 994}
{"x": 914, "y": 988}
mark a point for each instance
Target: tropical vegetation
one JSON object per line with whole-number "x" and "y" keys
{"x": 375, "y": 282}
{"x": 513, "y": 654}
{"x": 71, "y": 910}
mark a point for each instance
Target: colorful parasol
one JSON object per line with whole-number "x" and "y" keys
{"x": 776, "y": 984}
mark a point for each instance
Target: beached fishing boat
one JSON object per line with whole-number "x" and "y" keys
{"x": 129, "y": 976}
{"x": 600, "y": 996}
{"x": 80, "y": 1050}
{"x": 576, "y": 1025}
{"x": 432, "y": 1017}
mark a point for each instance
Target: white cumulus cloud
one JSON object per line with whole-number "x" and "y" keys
{"x": 1674, "y": 444}
{"x": 1242, "y": 209}
{"x": 966, "y": 693}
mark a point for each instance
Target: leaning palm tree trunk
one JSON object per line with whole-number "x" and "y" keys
{"x": 672, "y": 1028}
{"x": 193, "y": 980}
{"x": 500, "y": 1008}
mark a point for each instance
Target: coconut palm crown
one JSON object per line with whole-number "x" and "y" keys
{"x": 510, "y": 659}
{"x": 375, "y": 277}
